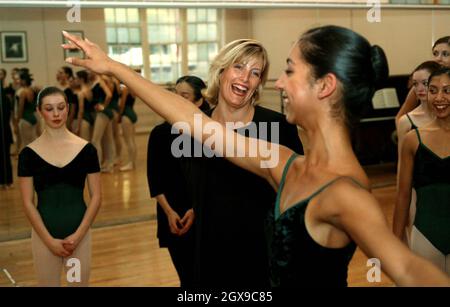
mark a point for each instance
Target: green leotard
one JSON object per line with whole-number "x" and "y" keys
{"x": 59, "y": 189}
{"x": 431, "y": 179}
{"x": 28, "y": 112}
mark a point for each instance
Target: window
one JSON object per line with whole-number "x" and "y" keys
{"x": 123, "y": 36}
{"x": 164, "y": 38}
{"x": 203, "y": 40}
{"x": 165, "y": 42}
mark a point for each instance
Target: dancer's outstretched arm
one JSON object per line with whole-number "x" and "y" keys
{"x": 175, "y": 109}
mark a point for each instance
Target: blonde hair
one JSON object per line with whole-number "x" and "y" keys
{"x": 237, "y": 51}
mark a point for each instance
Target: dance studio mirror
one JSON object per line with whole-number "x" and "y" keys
{"x": 164, "y": 44}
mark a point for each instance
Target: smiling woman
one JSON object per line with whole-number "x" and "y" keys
{"x": 230, "y": 203}
{"x": 56, "y": 166}
{"x": 425, "y": 167}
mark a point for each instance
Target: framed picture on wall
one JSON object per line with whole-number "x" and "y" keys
{"x": 14, "y": 46}
{"x": 73, "y": 52}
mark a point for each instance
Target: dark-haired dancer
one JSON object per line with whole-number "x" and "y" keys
{"x": 168, "y": 183}
{"x": 418, "y": 117}
{"x": 56, "y": 165}
{"x": 65, "y": 79}
{"x": 128, "y": 119}
{"x": 323, "y": 208}
{"x": 426, "y": 167}
{"x": 63, "y": 76}
{"x": 441, "y": 55}
{"x": 422, "y": 114}
{"x": 102, "y": 96}
{"x": 26, "y": 108}
{"x": 13, "y": 87}
{"x": 6, "y": 139}
{"x": 114, "y": 149}
{"x": 86, "y": 112}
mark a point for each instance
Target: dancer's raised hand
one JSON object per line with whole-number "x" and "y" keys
{"x": 96, "y": 59}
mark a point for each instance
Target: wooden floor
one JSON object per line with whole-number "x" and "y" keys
{"x": 125, "y": 251}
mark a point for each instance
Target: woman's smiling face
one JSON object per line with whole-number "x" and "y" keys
{"x": 239, "y": 82}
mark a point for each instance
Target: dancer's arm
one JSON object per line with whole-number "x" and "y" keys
{"x": 403, "y": 126}
{"x": 27, "y": 192}
{"x": 401, "y": 213}
{"x": 176, "y": 109}
{"x": 107, "y": 90}
{"x": 21, "y": 105}
{"x": 80, "y": 97}
{"x": 123, "y": 98}
{"x": 70, "y": 117}
{"x": 94, "y": 186}
{"x": 359, "y": 215}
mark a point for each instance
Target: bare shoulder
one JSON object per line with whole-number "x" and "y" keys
{"x": 284, "y": 154}
{"x": 37, "y": 144}
{"x": 403, "y": 125}
{"x": 80, "y": 95}
{"x": 411, "y": 140}
{"x": 403, "y": 119}
{"x": 24, "y": 92}
{"x": 347, "y": 198}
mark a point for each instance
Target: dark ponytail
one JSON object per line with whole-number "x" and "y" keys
{"x": 379, "y": 65}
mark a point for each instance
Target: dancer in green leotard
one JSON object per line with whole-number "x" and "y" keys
{"x": 86, "y": 112}
{"x": 27, "y": 121}
{"x": 128, "y": 119}
{"x": 426, "y": 167}
{"x": 56, "y": 166}
{"x": 416, "y": 118}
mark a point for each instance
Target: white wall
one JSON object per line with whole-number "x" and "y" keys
{"x": 405, "y": 35}
{"x": 237, "y": 24}
{"x": 43, "y": 28}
